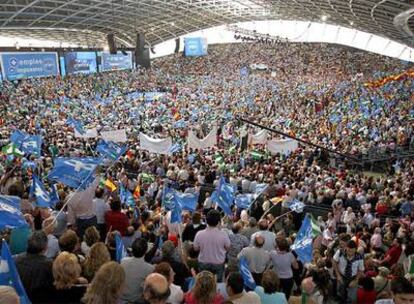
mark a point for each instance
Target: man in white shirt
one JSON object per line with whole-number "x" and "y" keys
{"x": 350, "y": 267}
{"x": 269, "y": 237}
{"x": 101, "y": 207}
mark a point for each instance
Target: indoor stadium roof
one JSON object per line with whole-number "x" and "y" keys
{"x": 86, "y": 22}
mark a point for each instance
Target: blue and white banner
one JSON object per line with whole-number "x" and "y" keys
{"x": 10, "y": 214}
{"x": 115, "y": 62}
{"x": 19, "y": 65}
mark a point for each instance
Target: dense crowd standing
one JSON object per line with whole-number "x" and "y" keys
{"x": 315, "y": 92}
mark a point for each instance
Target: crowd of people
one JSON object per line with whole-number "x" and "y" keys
{"x": 364, "y": 252}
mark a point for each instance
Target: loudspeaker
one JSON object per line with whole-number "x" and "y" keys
{"x": 177, "y": 45}
{"x": 142, "y": 58}
{"x": 111, "y": 43}
{"x": 142, "y": 53}
{"x": 140, "y": 45}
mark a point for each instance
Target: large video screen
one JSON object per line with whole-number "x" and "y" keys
{"x": 80, "y": 62}
{"x": 196, "y": 46}
{"x": 17, "y": 65}
{"x": 118, "y": 61}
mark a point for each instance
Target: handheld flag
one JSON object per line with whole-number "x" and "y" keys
{"x": 10, "y": 214}
{"x": 187, "y": 201}
{"x": 126, "y": 196}
{"x": 296, "y": 206}
{"x": 246, "y": 274}
{"x": 110, "y": 149}
{"x": 39, "y": 192}
{"x": 74, "y": 172}
{"x": 110, "y": 185}
{"x": 120, "y": 251}
{"x": 303, "y": 241}
{"x": 224, "y": 196}
{"x": 54, "y": 195}
{"x": 76, "y": 124}
{"x": 244, "y": 201}
{"x": 11, "y": 149}
{"x": 137, "y": 192}
{"x": 29, "y": 144}
{"x": 9, "y": 275}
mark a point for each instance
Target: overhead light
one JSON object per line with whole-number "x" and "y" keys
{"x": 17, "y": 45}
{"x": 106, "y": 48}
{"x": 324, "y": 18}
{"x": 351, "y": 23}
{"x": 172, "y": 23}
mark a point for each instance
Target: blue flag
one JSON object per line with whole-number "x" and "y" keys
{"x": 126, "y": 196}
{"x": 224, "y": 196}
{"x": 29, "y": 144}
{"x": 76, "y": 124}
{"x": 187, "y": 201}
{"x": 74, "y": 172}
{"x": 296, "y": 205}
{"x": 175, "y": 148}
{"x": 54, "y": 195}
{"x": 303, "y": 241}
{"x": 244, "y": 201}
{"x": 110, "y": 149}
{"x": 167, "y": 197}
{"x": 246, "y": 274}
{"x": 10, "y": 214}
{"x": 260, "y": 188}
{"x": 9, "y": 275}
{"x": 120, "y": 251}
{"x": 38, "y": 191}
{"x": 176, "y": 211}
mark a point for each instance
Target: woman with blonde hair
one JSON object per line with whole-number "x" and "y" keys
{"x": 204, "y": 290}
{"x": 91, "y": 237}
{"x": 98, "y": 256}
{"x": 106, "y": 286}
{"x": 69, "y": 286}
{"x": 8, "y": 295}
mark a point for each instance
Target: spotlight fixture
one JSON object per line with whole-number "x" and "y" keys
{"x": 324, "y": 18}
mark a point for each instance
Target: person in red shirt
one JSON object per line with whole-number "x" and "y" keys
{"x": 115, "y": 219}
{"x": 393, "y": 253}
{"x": 366, "y": 293}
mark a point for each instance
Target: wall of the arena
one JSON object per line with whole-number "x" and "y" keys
{"x": 299, "y": 31}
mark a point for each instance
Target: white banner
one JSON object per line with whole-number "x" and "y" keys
{"x": 283, "y": 146}
{"x": 114, "y": 135}
{"x": 259, "y": 138}
{"x": 89, "y": 133}
{"x": 209, "y": 141}
{"x": 155, "y": 145}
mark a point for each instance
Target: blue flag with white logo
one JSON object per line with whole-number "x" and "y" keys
{"x": 74, "y": 172}
{"x": 303, "y": 241}
{"x": 54, "y": 195}
{"x": 10, "y": 214}
{"x": 110, "y": 149}
{"x": 120, "y": 251}
{"x": 38, "y": 191}
{"x": 29, "y": 144}
{"x": 224, "y": 196}
{"x": 244, "y": 201}
{"x": 296, "y": 205}
{"x": 76, "y": 124}
{"x": 126, "y": 196}
{"x": 260, "y": 188}
{"x": 9, "y": 275}
{"x": 246, "y": 274}
{"x": 187, "y": 201}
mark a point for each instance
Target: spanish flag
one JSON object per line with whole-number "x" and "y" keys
{"x": 137, "y": 192}
{"x": 110, "y": 185}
